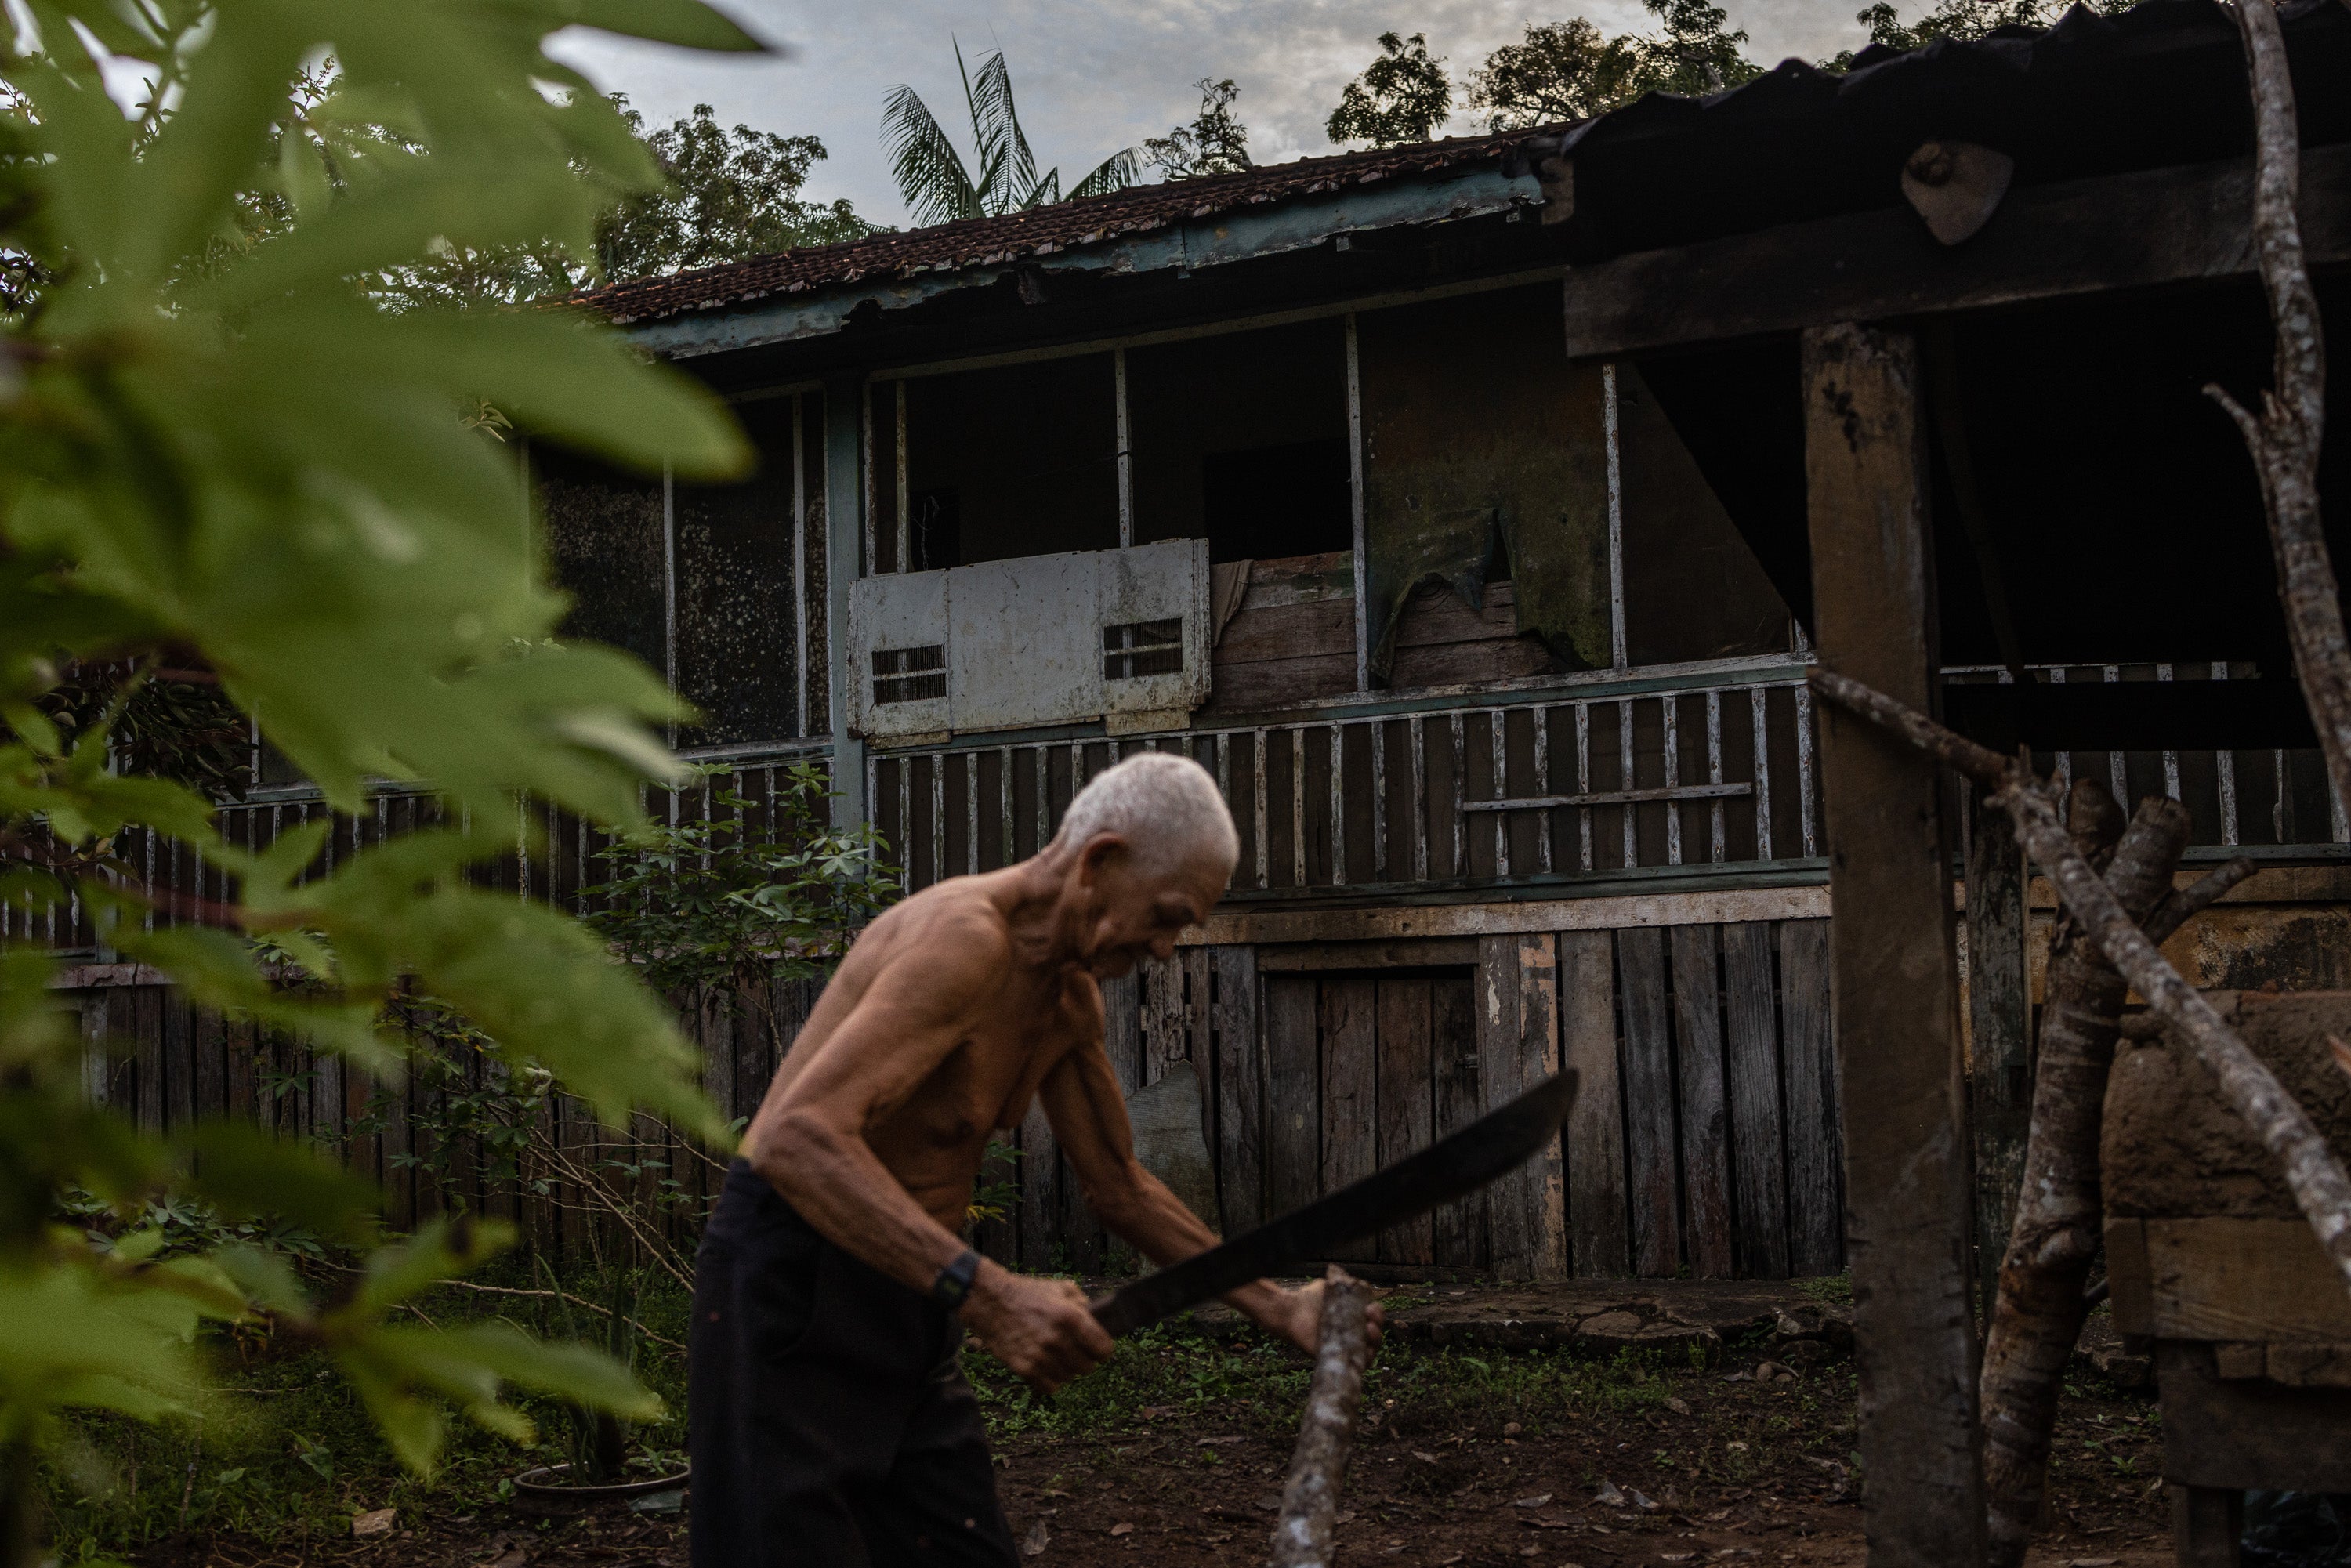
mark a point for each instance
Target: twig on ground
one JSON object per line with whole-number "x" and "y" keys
{"x": 2286, "y": 436}
{"x": 2312, "y": 1173}
{"x": 1318, "y": 1465}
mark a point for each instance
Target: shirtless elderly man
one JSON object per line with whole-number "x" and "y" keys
{"x": 832, "y": 1424}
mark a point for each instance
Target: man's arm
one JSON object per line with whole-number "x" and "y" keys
{"x": 812, "y": 1146}
{"x": 1088, "y": 1113}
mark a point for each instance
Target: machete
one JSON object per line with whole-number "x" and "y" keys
{"x": 1462, "y": 1162}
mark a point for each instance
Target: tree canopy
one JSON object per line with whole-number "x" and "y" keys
{"x": 1215, "y": 142}
{"x": 1403, "y": 96}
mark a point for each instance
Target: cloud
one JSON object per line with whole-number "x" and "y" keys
{"x": 1095, "y": 77}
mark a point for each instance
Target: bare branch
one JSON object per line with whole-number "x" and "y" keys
{"x": 1318, "y": 1465}
{"x": 2286, "y": 437}
{"x": 1980, "y": 763}
{"x": 2183, "y": 904}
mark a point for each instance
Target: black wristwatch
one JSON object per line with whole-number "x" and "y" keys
{"x": 953, "y": 1287}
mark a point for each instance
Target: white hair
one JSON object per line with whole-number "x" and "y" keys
{"x": 1165, "y": 806}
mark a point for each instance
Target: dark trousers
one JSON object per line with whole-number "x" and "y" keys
{"x": 830, "y": 1422}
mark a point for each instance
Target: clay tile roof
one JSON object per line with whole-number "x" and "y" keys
{"x": 1043, "y": 231}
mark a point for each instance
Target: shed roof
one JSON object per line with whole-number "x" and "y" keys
{"x": 1039, "y": 232}
{"x": 2160, "y": 85}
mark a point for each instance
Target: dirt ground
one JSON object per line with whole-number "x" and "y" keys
{"x": 1711, "y": 1464}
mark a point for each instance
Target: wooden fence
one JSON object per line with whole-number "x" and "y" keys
{"x": 1705, "y": 1140}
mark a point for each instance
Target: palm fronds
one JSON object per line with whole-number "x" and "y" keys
{"x": 929, "y": 172}
{"x": 938, "y": 186}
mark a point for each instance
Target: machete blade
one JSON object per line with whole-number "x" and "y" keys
{"x": 1496, "y": 1142}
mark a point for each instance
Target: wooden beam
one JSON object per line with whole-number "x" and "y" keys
{"x": 1397, "y": 923}
{"x": 2072, "y": 237}
{"x": 1895, "y": 984}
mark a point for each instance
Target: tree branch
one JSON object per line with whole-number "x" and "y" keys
{"x": 2184, "y": 903}
{"x": 1318, "y": 1465}
{"x": 2286, "y": 436}
{"x": 2312, "y": 1173}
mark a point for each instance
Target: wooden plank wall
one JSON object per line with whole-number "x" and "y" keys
{"x": 1704, "y": 1140}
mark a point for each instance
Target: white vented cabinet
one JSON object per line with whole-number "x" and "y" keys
{"x": 1119, "y": 635}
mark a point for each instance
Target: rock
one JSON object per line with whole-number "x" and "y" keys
{"x": 377, "y": 1521}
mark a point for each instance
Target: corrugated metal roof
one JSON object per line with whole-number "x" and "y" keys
{"x": 2161, "y": 85}
{"x": 1044, "y": 231}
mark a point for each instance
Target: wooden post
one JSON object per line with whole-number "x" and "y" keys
{"x": 1894, "y": 984}
{"x": 1998, "y": 1014}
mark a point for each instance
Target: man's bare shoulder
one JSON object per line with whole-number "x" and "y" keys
{"x": 955, "y": 929}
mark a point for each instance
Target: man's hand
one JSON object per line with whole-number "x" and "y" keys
{"x": 1297, "y": 1316}
{"x": 1039, "y": 1328}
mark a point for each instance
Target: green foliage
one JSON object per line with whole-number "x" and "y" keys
{"x": 938, "y": 187}
{"x": 220, "y": 451}
{"x": 711, "y": 906}
{"x": 174, "y": 725}
{"x": 1961, "y": 19}
{"x": 1403, "y": 96}
{"x": 729, "y": 195}
{"x": 1216, "y": 142}
{"x": 1563, "y": 71}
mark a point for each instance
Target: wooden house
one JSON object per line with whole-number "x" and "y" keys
{"x": 1400, "y": 490}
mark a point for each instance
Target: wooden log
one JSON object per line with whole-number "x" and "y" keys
{"x": 1407, "y": 1111}
{"x": 1350, "y": 1090}
{"x": 1758, "y": 1142}
{"x": 1705, "y": 1108}
{"x": 1648, "y": 1103}
{"x": 1894, "y": 987}
{"x": 1459, "y": 1225}
{"x": 1326, "y": 1432}
{"x": 2038, "y": 1316}
{"x": 1595, "y": 1125}
{"x": 1240, "y": 1088}
{"x": 2000, "y": 1069}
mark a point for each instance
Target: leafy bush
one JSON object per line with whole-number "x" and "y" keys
{"x": 221, "y": 454}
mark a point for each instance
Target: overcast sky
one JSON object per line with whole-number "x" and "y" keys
{"x": 1095, "y": 77}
